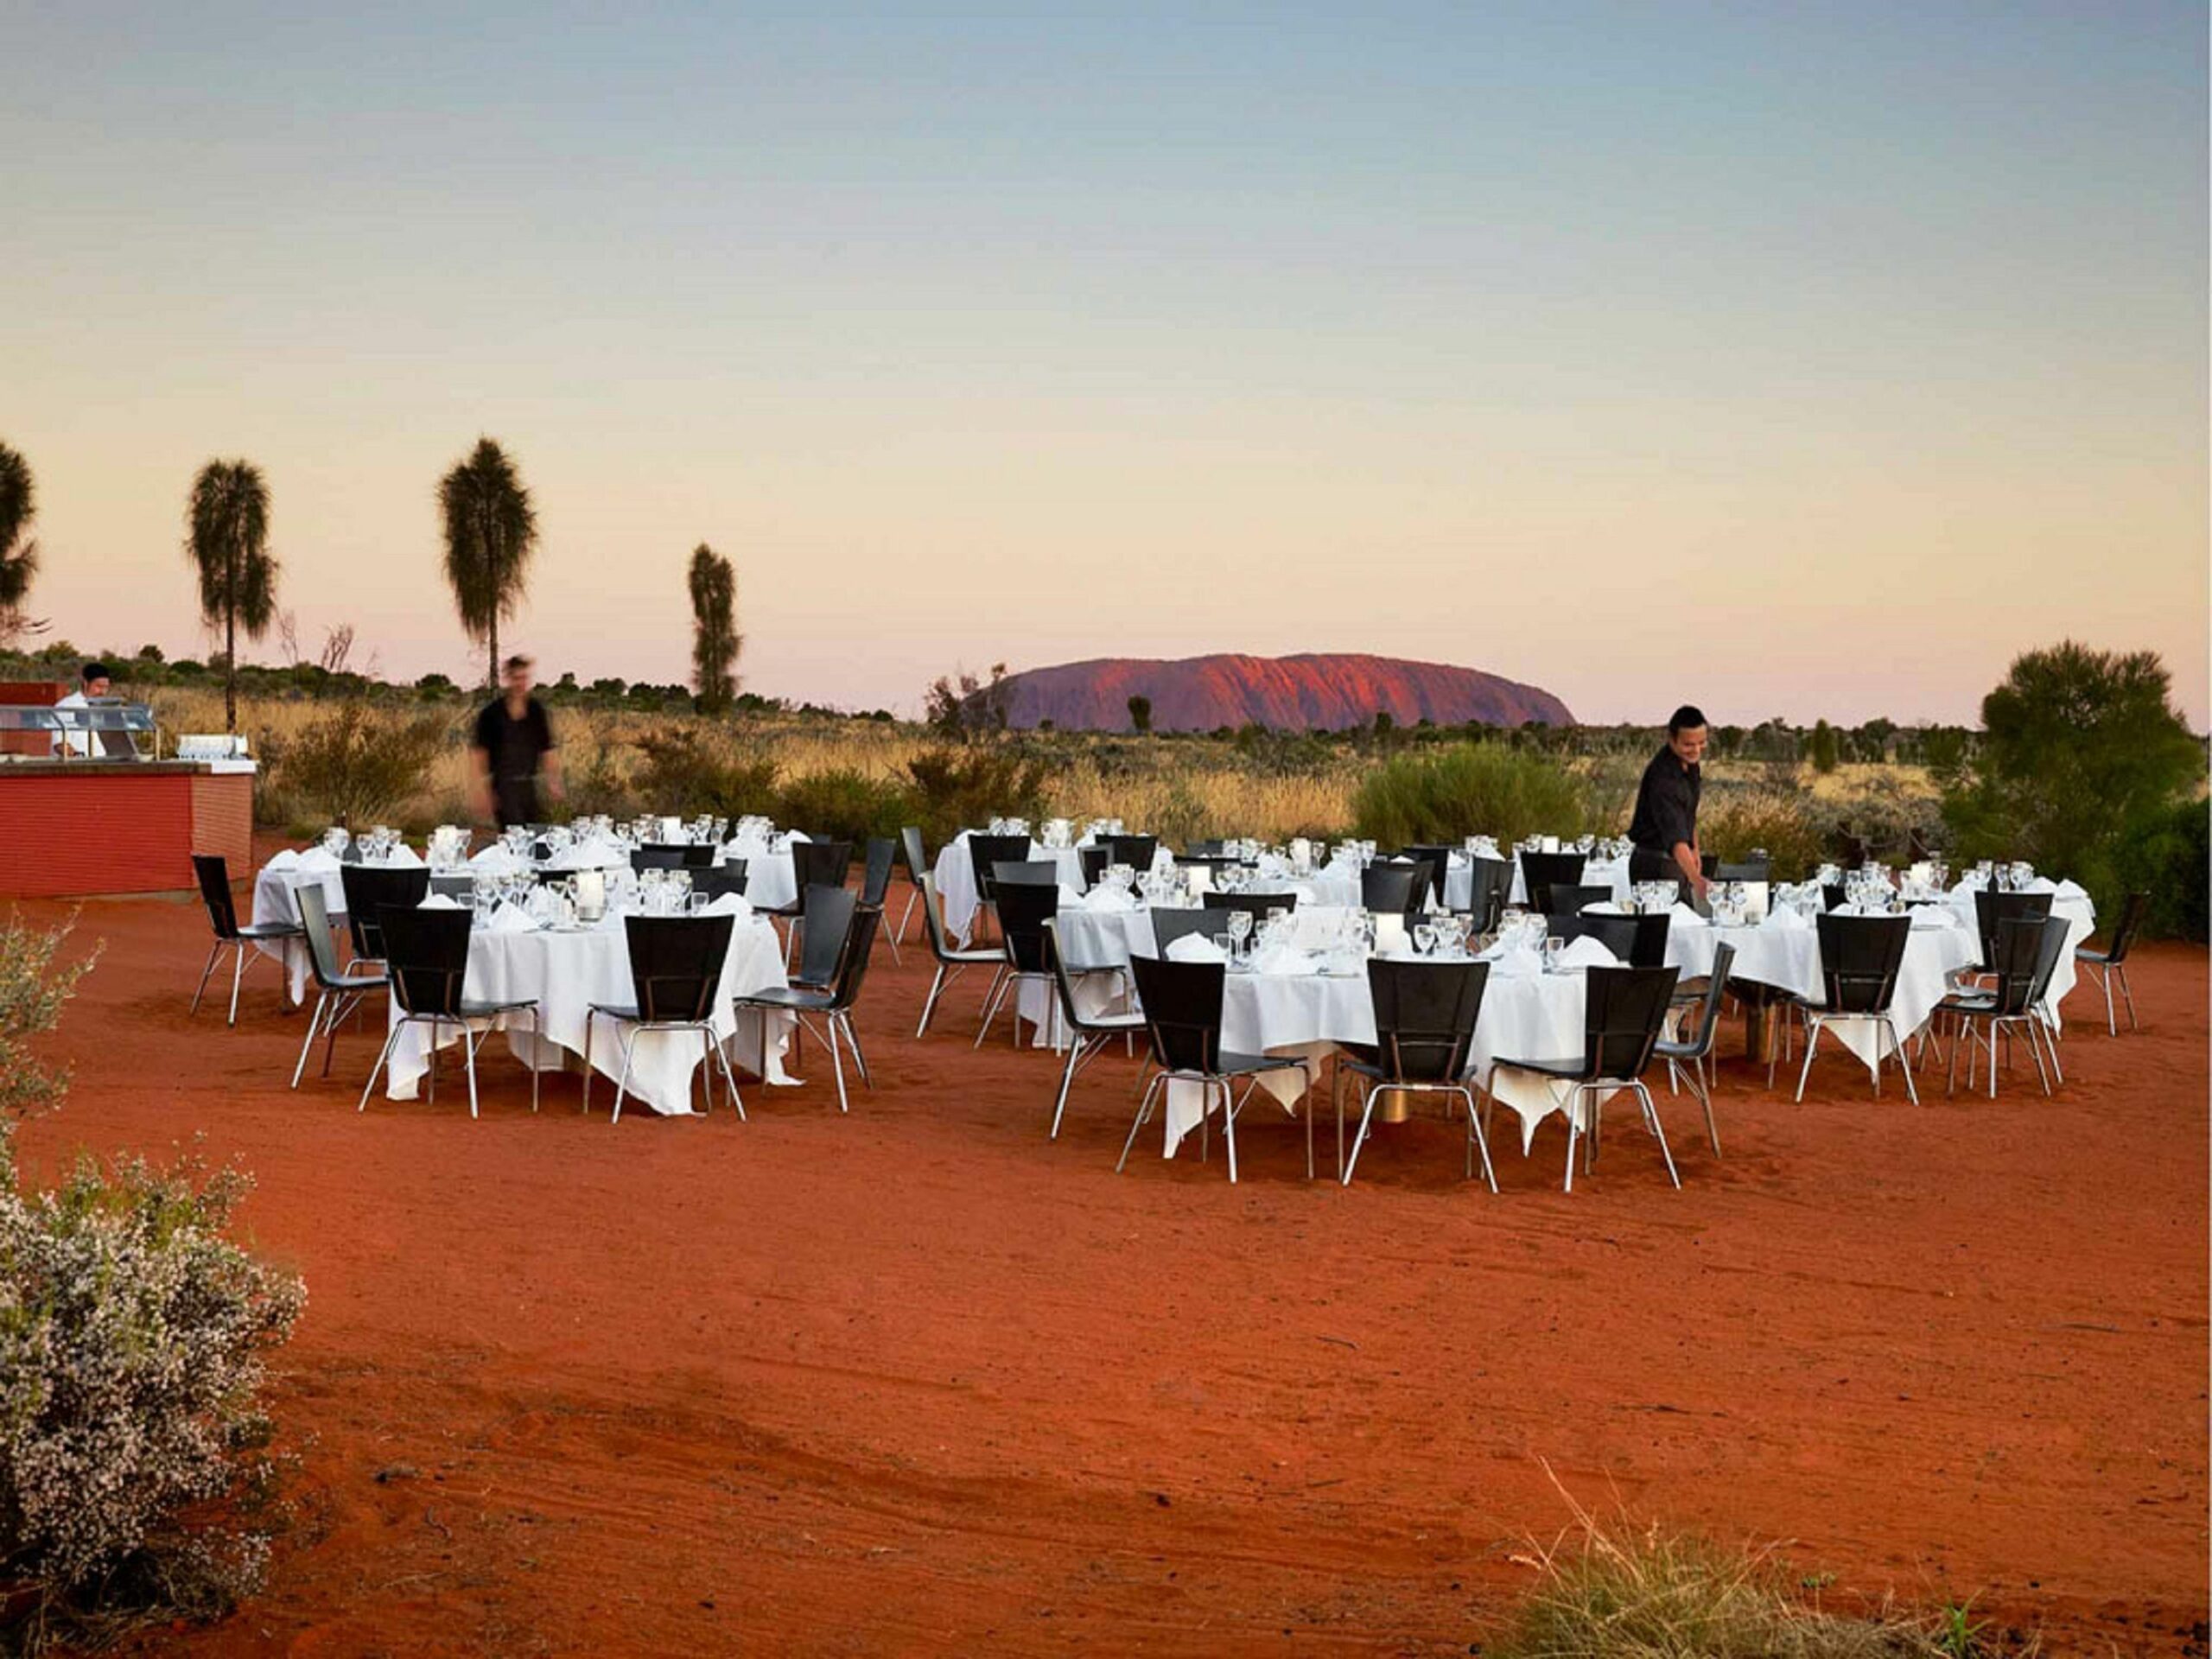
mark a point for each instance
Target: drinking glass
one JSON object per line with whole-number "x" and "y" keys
{"x": 1240, "y": 929}
{"x": 1425, "y": 937}
{"x": 1554, "y": 951}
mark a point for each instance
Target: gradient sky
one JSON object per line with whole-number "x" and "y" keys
{"x": 1797, "y": 359}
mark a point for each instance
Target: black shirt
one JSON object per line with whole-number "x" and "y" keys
{"x": 512, "y": 749}
{"x": 1666, "y": 804}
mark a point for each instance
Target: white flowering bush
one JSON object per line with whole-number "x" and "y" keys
{"x": 134, "y": 1461}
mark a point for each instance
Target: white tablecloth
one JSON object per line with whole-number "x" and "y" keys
{"x": 956, "y": 879}
{"x": 769, "y": 883}
{"x": 566, "y": 972}
{"x": 2067, "y": 902}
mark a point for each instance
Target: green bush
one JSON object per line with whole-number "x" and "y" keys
{"x": 955, "y": 788}
{"x": 1469, "y": 789}
{"x": 1787, "y": 825}
{"x": 2166, "y": 856}
{"x": 2083, "y": 754}
{"x": 354, "y": 765}
{"x": 843, "y": 806}
{"x": 686, "y": 770}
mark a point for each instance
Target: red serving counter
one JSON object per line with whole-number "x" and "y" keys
{"x": 76, "y": 827}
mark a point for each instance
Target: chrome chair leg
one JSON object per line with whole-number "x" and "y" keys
{"x": 383, "y": 1055}
{"x": 1904, "y": 1064}
{"x": 844, "y": 1023}
{"x": 2127, "y": 995}
{"x": 1359, "y": 1137}
{"x": 729, "y": 1079}
{"x": 2050, "y": 1044}
{"x": 1478, "y": 1136}
{"x": 837, "y": 1066}
{"x": 1651, "y": 1117}
{"x": 238, "y": 974}
{"x": 314, "y": 1030}
{"x": 1812, "y": 1041}
{"x": 622, "y": 1083}
{"x": 468, "y": 1041}
{"x": 1143, "y": 1113}
{"x": 1067, "y": 1081}
{"x": 215, "y": 953}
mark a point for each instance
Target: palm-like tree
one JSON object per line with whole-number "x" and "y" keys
{"x": 714, "y": 638}
{"x": 490, "y": 532}
{"x": 18, "y": 553}
{"x": 227, "y": 521}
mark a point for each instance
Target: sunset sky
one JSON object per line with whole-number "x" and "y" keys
{"x": 1795, "y": 360}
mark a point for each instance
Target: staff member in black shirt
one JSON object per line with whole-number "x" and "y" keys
{"x": 512, "y": 746}
{"x": 1666, "y": 801}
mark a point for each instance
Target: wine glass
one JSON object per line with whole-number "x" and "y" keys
{"x": 1240, "y": 929}
{"x": 1425, "y": 937}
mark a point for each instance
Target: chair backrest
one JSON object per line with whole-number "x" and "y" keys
{"x": 1542, "y": 872}
{"x": 1489, "y": 884}
{"x": 1648, "y": 947}
{"x": 2050, "y": 952}
{"x": 426, "y": 952}
{"x": 675, "y": 964}
{"x": 2123, "y": 932}
{"x": 1207, "y": 848}
{"x": 462, "y": 887}
{"x": 1749, "y": 869}
{"x": 1025, "y": 872}
{"x": 1439, "y": 860}
{"x": 1182, "y": 1010}
{"x": 859, "y": 948}
{"x": 659, "y": 855}
{"x": 1992, "y": 910}
{"x": 1566, "y": 900}
{"x": 1169, "y": 925}
{"x": 1257, "y": 905}
{"x": 876, "y": 869}
{"x": 1644, "y": 865}
{"x": 1616, "y": 933}
{"x": 369, "y": 890}
{"x": 2012, "y": 958}
{"x": 984, "y": 851}
{"x": 729, "y": 876}
{"x": 1859, "y": 956}
{"x": 215, "y": 878}
{"x": 1624, "y": 1011}
{"x": 1706, "y": 1028}
{"x": 917, "y": 855}
{"x": 1093, "y": 861}
{"x": 1833, "y": 894}
{"x": 1425, "y": 1014}
{"x": 1137, "y": 851}
{"x": 1393, "y": 888}
{"x": 1024, "y": 908}
{"x": 829, "y": 922}
{"x": 821, "y": 863}
{"x": 315, "y": 918}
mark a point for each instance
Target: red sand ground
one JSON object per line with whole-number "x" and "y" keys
{"x": 918, "y": 1380}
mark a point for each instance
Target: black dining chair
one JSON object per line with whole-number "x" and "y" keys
{"x": 2026, "y": 953}
{"x": 370, "y": 889}
{"x": 1438, "y": 862}
{"x": 426, "y": 954}
{"x": 1170, "y": 923}
{"x": 718, "y": 879}
{"x": 1859, "y": 959}
{"x": 1026, "y": 872}
{"x": 1392, "y": 889}
{"x": 1090, "y": 1034}
{"x": 338, "y": 993}
{"x": 460, "y": 889}
{"x": 951, "y": 960}
{"x": 671, "y": 855}
{"x": 916, "y": 856}
{"x": 834, "y": 1005}
{"x": 1024, "y": 909}
{"x": 1695, "y": 1047}
{"x": 878, "y": 858}
{"x": 2111, "y": 963}
{"x": 1563, "y": 899}
{"x": 1135, "y": 851}
{"x": 1182, "y": 1003}
{"x": 1542, "y": 872}
{"x": 1616, "y": 933}
{"x": 214, "y": 878}
{"x": 1490, "y": 885}
{"x": 816, "y": 865}
{"x": 1743, "y": 870}
{"x": 1093, "y": 861}
{"x": 1624, "y": 1011}
{"x": 830, "y": 912}
{"x": 985, "y": 851}
{"x": 1425, "y": 1014}
{"x": 675, "y": 973}
{"x": 1258, "y": 905}
{"x": 1991, "y": 910}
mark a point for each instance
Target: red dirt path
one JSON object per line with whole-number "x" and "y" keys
{"x": 919, "y": 1381}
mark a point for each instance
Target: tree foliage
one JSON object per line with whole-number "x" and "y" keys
{"x": 2082, "y": 752}
{"x": 716, "y": 641}
{"x": 967, "y": 707}
{"x": 18, "y": 553}
{"x": 1469, "y": 789}
{"x": 491, "y": 531}
{"x": 227, "y": 540}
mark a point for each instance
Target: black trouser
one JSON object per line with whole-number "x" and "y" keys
{"x": 515, "y": 801}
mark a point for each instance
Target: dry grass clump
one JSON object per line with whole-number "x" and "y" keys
{"x": 1628, "y": 1592}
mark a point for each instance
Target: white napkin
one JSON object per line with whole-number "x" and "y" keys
{"x": 512, "y": 918}
{"x": 1115, "y": 899}
{"x": 1389, "y": 933}
{"x": 318, "y": 858}
{"x": 1685, "y": 916}
{"x": 1785, "y": 920}
{"x": 800, "y": 835}
{"x": 1515, "y": 962}
{"x": 404, "y": 857}
{"x": 1587, "y": 952}
{"x": 439, "y": 901}
{"x": 730, "y": 903}
{"x": 1195, "y": 947}
{"x": 496, "y": 860}
{"x": 2069, "y": 889}
{"x": 1283, "y": 959}
{"x": 286, "y": 859}
{"x": 1926, "y": 917}
{"x": 1607, "y": 907}
{"x": 1070, "y": 899}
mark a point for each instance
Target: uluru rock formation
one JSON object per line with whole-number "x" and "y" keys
{"x": 1314, "y": 691}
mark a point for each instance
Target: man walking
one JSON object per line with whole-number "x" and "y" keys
{"x": 1666, "y": 801}
{"x": 512, "y": 746}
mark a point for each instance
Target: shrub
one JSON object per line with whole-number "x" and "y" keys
{"x": 2082, "y": 752}
{"x": 955, "y": 788}
{"x": 1469, "y": 789}
{"x": 2166, "y": 855}
{"x": 1786, "y": 824}
{"x": 32, "y": 993}
{"x": 354, "y": 767}
{"x": 689, "y": 770}
{"x": 843, "y": 805}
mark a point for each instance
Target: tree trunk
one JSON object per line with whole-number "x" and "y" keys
{"x": 231, "y": 663}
